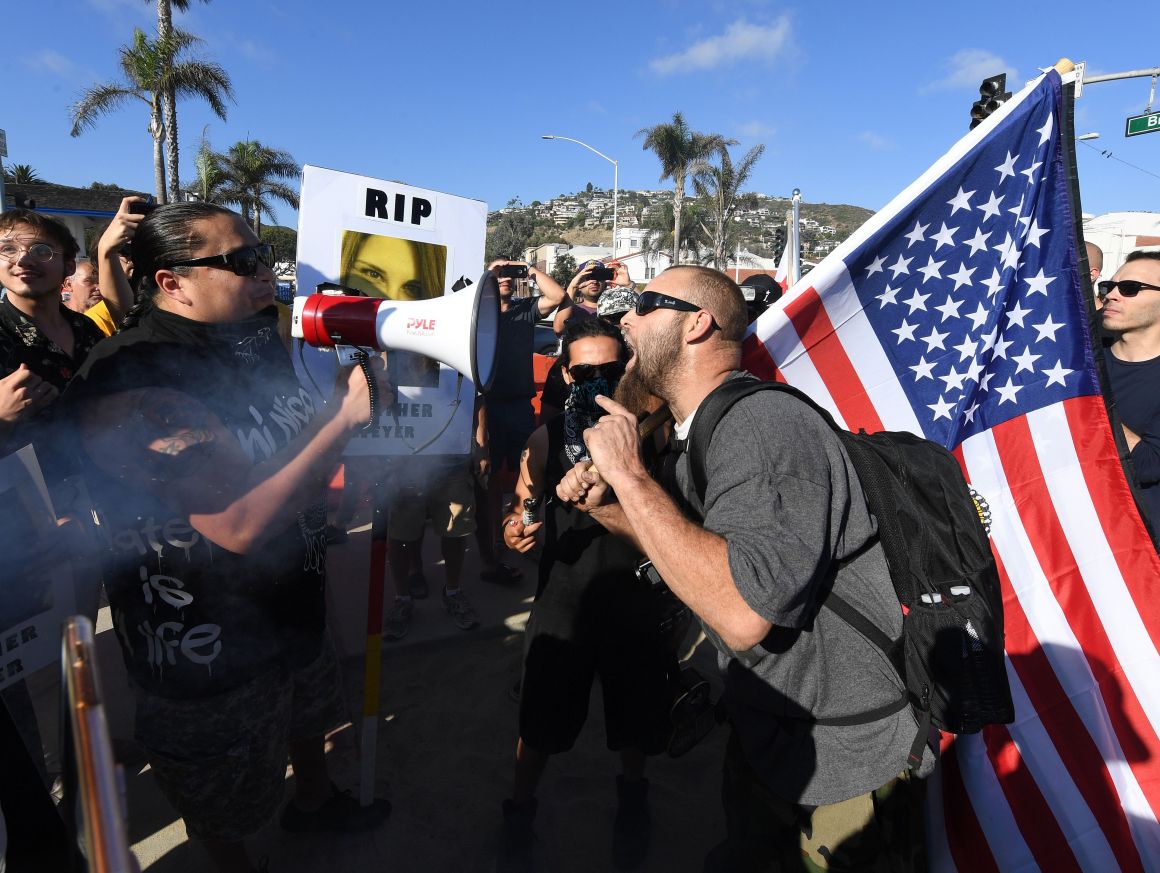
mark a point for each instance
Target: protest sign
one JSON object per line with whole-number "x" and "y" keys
{"x": 36, "y": 586}
{"x": 396, "y": 242}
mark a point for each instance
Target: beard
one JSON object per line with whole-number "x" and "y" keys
{"x": 656, "y": 364}
{"x": 633, "y": 396}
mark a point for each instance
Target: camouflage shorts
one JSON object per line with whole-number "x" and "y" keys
{"x": 877, "y": 832}
{"x": 221, "y": 761}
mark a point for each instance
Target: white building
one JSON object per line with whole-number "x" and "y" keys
{"x": 629, "y": 240}
{"x": 1118, "y": 234}
{"x": 644, "y": 268}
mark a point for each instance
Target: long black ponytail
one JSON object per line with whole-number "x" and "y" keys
{"x": 165, "y": 235}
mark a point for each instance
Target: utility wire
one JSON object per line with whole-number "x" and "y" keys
{"x": 1107, "y": 153}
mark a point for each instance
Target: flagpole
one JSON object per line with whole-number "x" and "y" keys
{"x": 797, "y": 244}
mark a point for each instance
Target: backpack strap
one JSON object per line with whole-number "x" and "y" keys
{"x": 714, "y": 408}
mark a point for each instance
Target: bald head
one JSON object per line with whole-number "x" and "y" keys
{"x": 81, "y": 290}
{"x": 716, "y": 293}
{"x": 1095, "y": 256}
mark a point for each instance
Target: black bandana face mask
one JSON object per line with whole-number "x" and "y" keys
{"x": 582, "y": 396}
{"x": 581, "y": 412}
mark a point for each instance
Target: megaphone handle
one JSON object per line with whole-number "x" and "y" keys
{"x": 647, "y": 427}
{"x": 364, "y": 364}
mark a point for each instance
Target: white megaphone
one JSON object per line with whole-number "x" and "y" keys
{"x": 460, "y": 328}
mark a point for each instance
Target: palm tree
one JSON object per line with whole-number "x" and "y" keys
{"x": 250, "y": 178}
{"x": 718, "y": 187}
{"x": 22, "y": 174}
{"x": 678, "y": 147}
{"x": 169, "y": 95}
{"x": 151, "y": 67}
{"x": 209, "y": 181}
{"x": 661, "y": 236}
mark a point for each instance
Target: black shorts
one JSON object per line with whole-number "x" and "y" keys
{"x": 221, "y": 761}
{"x": 509, "y": 424}
{"x": 609, "y": 627}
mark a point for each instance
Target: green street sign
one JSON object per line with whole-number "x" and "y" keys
{"x": 1139, "y": 124}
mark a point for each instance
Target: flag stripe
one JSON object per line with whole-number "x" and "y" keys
{"x": 1031, "y": 811}
{"x": 789, "y": 355}
{"x": 875, "y": 369}
{"x": 964, "y": 833}
{"x": 991, "y": 805}
{"x": 1068, "y": 806}
{"x": 1130, "y": 660}
{"x": 1035, "y": 620}
{"x": 825, "y": 349}
{"x": 756, "y": 359}
{"x": 1082, "y": 677}
{"x": 1139, "y": 565}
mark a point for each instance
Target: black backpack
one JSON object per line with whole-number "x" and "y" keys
{"x": 933, "y": 530}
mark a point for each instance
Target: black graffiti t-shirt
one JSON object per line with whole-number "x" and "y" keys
{"x": 193, "y": 618}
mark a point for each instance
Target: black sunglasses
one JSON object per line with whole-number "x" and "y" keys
{"x": 1128, "y": 287}
{"x": 590, "y": 372}
{"x": 649, "y": 301}
{"x": 242, "y": 262}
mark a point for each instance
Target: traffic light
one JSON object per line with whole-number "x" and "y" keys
{"x": 778, "y": 240}
{"x": 992, "y": 93}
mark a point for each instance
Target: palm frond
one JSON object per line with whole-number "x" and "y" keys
{"x": 179, "y": 5}
{"x": 284, "y": 193}
{"x": 97, "y": 101}
{"x": 208, "y": 81}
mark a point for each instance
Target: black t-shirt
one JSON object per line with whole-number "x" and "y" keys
{"x": 1136, "y": 389}
{"x": 193, "y": 618}
{"x": 577, "y": 549}
{"x": 513, "y": 354}
{"x": 22, "y": 342}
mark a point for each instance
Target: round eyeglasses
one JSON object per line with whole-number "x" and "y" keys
{"x": 40, "y": 252}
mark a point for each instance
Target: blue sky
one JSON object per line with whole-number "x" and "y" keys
{"x": 852, "y": 100}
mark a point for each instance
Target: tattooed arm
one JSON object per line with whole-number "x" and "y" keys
{"x": 172, "y": 445}
{"x": 530, "y": 483}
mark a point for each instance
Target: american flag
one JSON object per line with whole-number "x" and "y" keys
{"x": 957, "y": 313}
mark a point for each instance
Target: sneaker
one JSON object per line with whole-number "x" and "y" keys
{"x": 340, "y": 814}
{"x": 632, "y": 828}
{"x": 502, "y": 574}
{"x": 518, "y": 838}
{"x": 417, "y": 586}
{"x": 398, "y": 620}
{"x": 460, "y": 610}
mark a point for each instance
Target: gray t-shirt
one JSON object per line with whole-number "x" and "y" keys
{"x": 784, "y": 495}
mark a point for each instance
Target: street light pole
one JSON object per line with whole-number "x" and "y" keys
{"x": 615, "y": 181}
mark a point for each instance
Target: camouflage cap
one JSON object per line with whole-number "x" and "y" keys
{"x": 616, "y": 301}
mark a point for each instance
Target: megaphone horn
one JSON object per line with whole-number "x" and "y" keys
{"x": 459, "y": 329}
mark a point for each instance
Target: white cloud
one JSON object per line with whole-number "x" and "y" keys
{"x": 967, "y": 68}
{"x": 122, "y": 11}
{"x": 253, "y": 51}
{"x": 875, "y": 141}
{"x": 53, "y": 61}
{"x": 755, "y": 129}
{"x": 740, "y": 40}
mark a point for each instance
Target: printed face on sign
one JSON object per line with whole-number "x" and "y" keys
{"x": 396, "y": 269}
